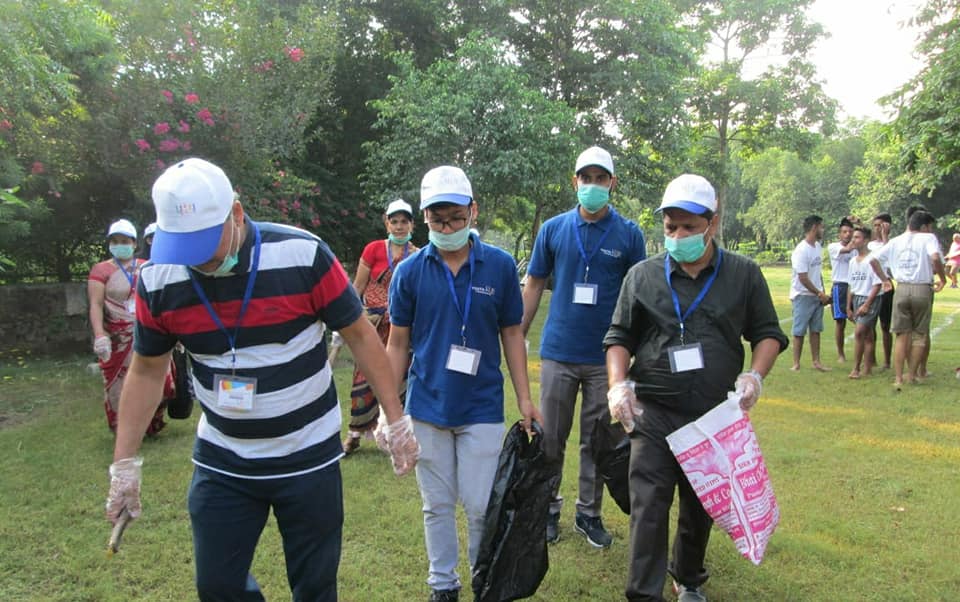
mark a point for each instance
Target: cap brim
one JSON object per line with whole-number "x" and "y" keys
{"x": 688, "y": 206}
{"x": 454, "y": 199}
{"x": 185, "y": 248}
{"x": 603, "y": 167}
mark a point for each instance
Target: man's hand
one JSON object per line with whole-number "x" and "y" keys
{"x": 404, "y": 449}
{"x": 530, "y": 413}
{"x": 749, "y": 386}
{"x": 622, "y": 401}
{"x": 102, "y": 347}
{"x": 124, "y": 488}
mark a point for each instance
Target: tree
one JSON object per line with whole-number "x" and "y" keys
{"x": 784, "y": 185}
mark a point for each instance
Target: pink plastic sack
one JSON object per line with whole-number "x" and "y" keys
{"x": 720, "y": 455}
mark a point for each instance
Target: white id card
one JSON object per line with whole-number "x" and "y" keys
{"x": 463, "y": 360}
{"x": 234, "y": 392}
{"x": 585, "y": 294}
{"x": 685, "y": 357}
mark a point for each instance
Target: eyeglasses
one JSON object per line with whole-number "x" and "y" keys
{"x": 454, "y": 223}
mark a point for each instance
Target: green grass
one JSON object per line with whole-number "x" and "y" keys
{"x": 866, "y": 479}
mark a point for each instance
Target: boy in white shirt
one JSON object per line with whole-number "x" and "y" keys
{"x": 863, "y": 303}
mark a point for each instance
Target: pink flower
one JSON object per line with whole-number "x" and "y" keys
{"x": 168, "y": 95}
{"x": 296, "y": 204}
{"x": 6, "y": 125}
{"x": 187, "y": 146}
{"x": 56, "y": 194}
{"x": 184, "y": 127}
{"x": 142, "y": 144}
{"x": 168, "y": 145}
{"x": 263, "y": 67}
{"x": 205, "y": 116}
{"x": 191, "y": 98}
{"x": 160, "y": 164}
{"x": 161, "y": 128}
{"x": 295, "y": 54}
{"x": 37, "y": 168}
{"x": 315, "y": 221}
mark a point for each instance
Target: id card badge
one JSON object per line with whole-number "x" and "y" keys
{"x": 132, "y": 305}
{"x": 463, "y": 360}
{"x": 684, "y": 358}
{"x": 235, "y": 392}
{"x": 584, "y": 293}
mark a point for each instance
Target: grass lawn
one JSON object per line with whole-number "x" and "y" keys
{"x": 866, "y": 479}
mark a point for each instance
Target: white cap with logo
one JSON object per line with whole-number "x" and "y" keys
{"x": 398, "y": 206}
{"x": 445, "y": 184}
{"x": 595, "y": 156}
{"x": 193, "y": 199}
{"x": 691, "y": 193}
{"x": 124, "y": 227}
{"x": 150, "y": 229}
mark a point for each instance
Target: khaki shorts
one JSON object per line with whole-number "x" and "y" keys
{"x": 912, "y": 308}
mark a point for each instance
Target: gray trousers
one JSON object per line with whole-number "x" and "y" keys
{"x": 559, "y": 384}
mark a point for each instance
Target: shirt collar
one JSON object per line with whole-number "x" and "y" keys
{"x": 602, "y": 222}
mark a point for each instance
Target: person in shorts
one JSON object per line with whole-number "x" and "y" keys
{"x": 863, "y": 303}
{"x": 840, "y": 252}
{"x": 881, "y": 236}
{"x": 807, "y": 296}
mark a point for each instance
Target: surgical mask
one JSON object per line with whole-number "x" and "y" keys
{"x": 450, "y": 242}
{"x": 687, "y": 249}
{"x": 592, "y": 197}
{"x": 121, "y": 251}
{"x": 228, "y": 263}
{"x": 399, "y": 240}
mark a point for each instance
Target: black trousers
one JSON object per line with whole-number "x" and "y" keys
{"x": 654, "y": 474}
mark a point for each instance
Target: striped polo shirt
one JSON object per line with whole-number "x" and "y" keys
{"x": 294, "y": 425}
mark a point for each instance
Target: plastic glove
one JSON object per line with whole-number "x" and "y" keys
{"x": 335, "y": 339}
{"x": 380, "y": 433}
{"x": 749, "y": 386}
{"x": 102, "y": 347}
{"x": 622, "y": 401}
{"x": 124, "y": 488}
{"x": 404, "y": 449}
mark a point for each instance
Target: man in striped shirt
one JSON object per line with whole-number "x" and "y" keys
{"x": 250, "y": 302}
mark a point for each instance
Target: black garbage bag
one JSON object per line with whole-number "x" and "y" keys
{"x": 181, "y": 405}
{"x": 610, "y": 447}
{"x": 513, "y": 551}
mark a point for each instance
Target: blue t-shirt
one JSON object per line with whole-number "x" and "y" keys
{"x": 420, "y": 299}
{"x": 573, "y": 333}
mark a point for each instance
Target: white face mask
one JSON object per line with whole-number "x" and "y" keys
{"x": 229, "y": 262}
{"x": 453, "y": 241}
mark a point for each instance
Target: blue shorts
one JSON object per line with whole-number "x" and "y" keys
{"x": 838, "y": 300}
{"x": 807, "y": 312}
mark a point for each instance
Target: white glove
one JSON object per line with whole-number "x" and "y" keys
{"x": 622, "y": 401}
{"x": 335, "y": 339}
{"x": 102, "y": 347}
{"x": 124, "y": 488}
{"x": 749, "y": 386}
{"x": 380, "y": 432}
{"x": 404, "y": 449}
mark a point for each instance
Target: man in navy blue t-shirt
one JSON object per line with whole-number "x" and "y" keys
{"x": 588, "y": 250}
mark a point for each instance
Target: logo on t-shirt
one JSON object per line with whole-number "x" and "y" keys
{"x": 485, "y": 290}
{"x": 615, "y": 253}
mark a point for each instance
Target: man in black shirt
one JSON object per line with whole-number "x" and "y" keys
{"x": 681, "y": 316}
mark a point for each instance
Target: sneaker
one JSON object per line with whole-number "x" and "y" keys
{"x": 553, "y": 527}
{"x": 445, "y": 595}
{"x": 591, "y": 527}
{"x": 351, "y": 444}
{"x": 688, "y": 594}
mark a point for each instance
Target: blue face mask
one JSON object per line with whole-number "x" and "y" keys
{"x": 451, "y": 242}
{"x": 687, "y": 249}
{"x": 402, "y": 240}
{"x": 592, "y": 197}
{"x": 121, "y": 251}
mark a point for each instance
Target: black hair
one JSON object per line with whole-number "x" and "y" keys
{"x": 867, "y": 233}
{"x": 811, "y": 221}
{"x": 913, "y": 209}
{"x": 845, "y": 221}
{"x": 920, "y": 218}
{"x": 883, "y": 217}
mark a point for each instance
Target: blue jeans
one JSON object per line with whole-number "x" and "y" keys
{"x": 228, "y": 514}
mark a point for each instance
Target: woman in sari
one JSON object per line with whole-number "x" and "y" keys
{"x": 372, "y": 282}
{"x": 111, "y": 291}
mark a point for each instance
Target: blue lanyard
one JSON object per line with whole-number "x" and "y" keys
{"x": 406, "y": 251}
{"x": 232, "y": 338}
{"x": 583, "y": 254}
{"x": 465, "y": 313}
{"x": 696, "y": 302}
{"x": 131, "y": 275}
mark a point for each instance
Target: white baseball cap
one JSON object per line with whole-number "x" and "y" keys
{"x": 445, "y": 184}
{"x": 594, "y": 156}
{"x": 150, "y": 229}
{"x": 193, "y": 199}
{"x": 399, "y": 205}
{"x": 124, "y": 227}
{"x": 691, "y": 193}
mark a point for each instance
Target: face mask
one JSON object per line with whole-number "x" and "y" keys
{"x": 121, "y": 251}
{"x": 593, "y": 198}
{"x": 687, "y": 249}
{"x": 451, "y": 242}
{"x": 402, "y": 240}
{"x": 228, "y": 263}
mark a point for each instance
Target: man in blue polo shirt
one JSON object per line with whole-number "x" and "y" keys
{"x": 589, "y": 250}
{"x": 454, "y": 302}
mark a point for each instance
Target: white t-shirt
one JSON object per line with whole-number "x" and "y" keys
{"x": 839, "y": 262}
{"x": 862, "y": 276}
{"x": 909, "y": 257}
{"x": 806, "y": 259}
